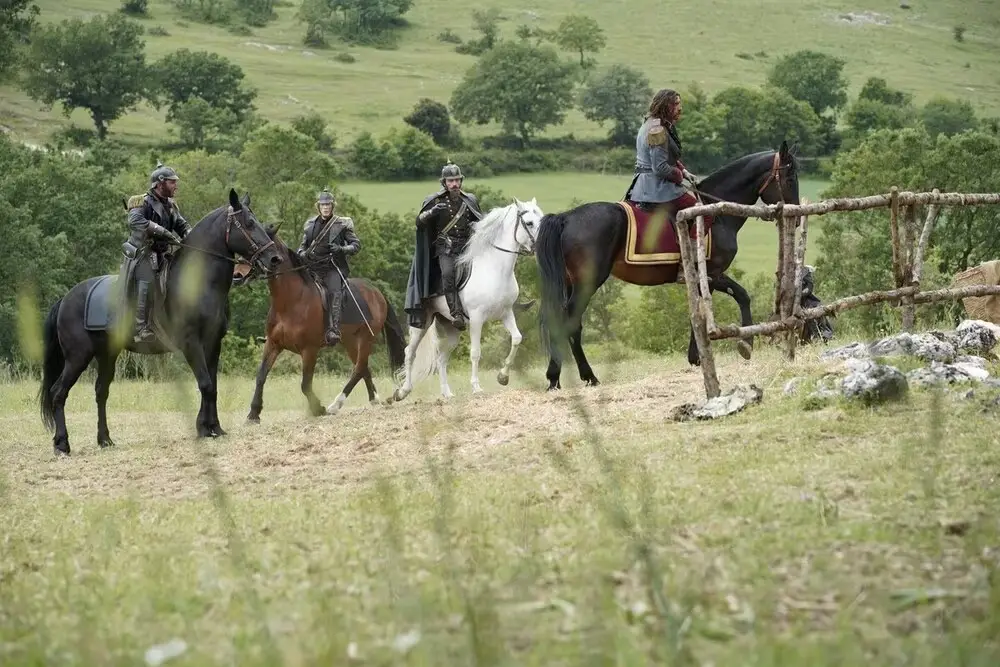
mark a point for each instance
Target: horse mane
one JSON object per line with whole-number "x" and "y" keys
{"x": 725, "y": 171}
{"x": 487, "y": 234}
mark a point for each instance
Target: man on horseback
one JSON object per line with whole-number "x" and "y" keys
{"x": 327, "y": 241}
{"x": 155, "y": 222}
{"x": 660, "y": 174}
{"x": 444, "y": 226}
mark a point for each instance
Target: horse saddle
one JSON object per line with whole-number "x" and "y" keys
{"x": 110, "y": 307}
{"x": 349, "y": 311}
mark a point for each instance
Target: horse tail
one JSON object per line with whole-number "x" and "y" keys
{"x": 554, "y": 289}
{"x": 52, "y": 366}
{"x": 424, "y": 357}
{"x": 394, "y": 339}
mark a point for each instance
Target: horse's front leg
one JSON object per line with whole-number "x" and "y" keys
{"x": 475, "y": 348}
{"x": 446, "y": 344}
{"x": 416, "y": 335}
{"x": 510, "y": 323}
{"x": 742, "y": 298}
{"x": 195, "y": 356}
{"x": 271, "y": 352}
{"x": 309, "y": 356}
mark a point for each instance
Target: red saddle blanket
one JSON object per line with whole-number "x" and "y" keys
{"x": 651, "y": 237}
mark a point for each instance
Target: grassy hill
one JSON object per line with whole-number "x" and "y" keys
{"x": 675, "y": 43}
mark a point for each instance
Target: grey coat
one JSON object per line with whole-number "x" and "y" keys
{"x": 657, "y": 158}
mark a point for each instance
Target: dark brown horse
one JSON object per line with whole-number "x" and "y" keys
{"x": 577, "y": 250}
{"x": 296, "y": 322}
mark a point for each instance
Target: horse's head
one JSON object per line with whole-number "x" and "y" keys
{"x": 246, "y": 236}
{"x": 782, "y": 181}
{"x": 529, "y": 217}
{"x": 244, "y": 272}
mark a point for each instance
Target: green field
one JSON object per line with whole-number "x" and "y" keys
{"x": 758, "y": 239}
{"x": 674, "y": 44}
{"x": 513, "y": 527}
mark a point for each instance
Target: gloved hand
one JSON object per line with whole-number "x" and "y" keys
{"x": 689, "y": 176}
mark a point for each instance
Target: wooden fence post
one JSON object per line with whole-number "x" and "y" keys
{"x": 689, "y": 263}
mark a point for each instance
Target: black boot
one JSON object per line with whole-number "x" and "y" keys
{"x": 143, "y": 333}
{"x": 455, "y": 308}
{"x": 333, "y": 317}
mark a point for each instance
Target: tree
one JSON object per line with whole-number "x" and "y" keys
{"x": 751, "y": 120}
{"x": 185, "y": 74}
{"x": 361, "y": 21}
{"x": 946, "y": 116}
{"x": 99, "y": 66}
{"x": 813, "y": 77}
{"x": 524, "y": 87}
{"x": 581, "y": 34}
{"x": 313, "y": 125}
{"x": 877, "y": 89}
{"x": 17, "y": 18}
{"x": 878, "y": 107}
{"x": 432, "y": 118}
{"x": 620, "y": 95}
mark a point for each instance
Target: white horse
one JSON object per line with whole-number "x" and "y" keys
{"x": 490, "y": 293}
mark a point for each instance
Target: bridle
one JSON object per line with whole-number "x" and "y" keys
{"x": 775, "y": 175}
{"x": 520, "y": 223}
{"x": 233, "y": 220}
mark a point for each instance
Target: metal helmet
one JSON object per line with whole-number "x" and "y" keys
{"x": 325, "y": 197}
{"x": 451, "y": 170}
{"x": 162, "y": 173}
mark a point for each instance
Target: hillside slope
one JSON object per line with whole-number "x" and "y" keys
{"x": 675, "y": 43}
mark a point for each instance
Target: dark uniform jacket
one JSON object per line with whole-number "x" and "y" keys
{"x": 337, "y": 243}
{"x": 418, "y": 286}
{"x": 149, "y": 217}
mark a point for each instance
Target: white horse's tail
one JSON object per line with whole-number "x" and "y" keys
{"x": 424, "y": 357}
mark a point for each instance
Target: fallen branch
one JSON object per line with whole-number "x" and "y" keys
{"x": 925, "y": 237}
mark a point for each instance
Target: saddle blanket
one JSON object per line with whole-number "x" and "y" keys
{"x": 651, "y": 238}
{"x": 98, "y": 308}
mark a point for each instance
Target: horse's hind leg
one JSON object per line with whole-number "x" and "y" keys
{"x": 271, "y": 352}
{"x": 510, "y": 323}
{"x": 72, "y": 370}
{"x": 359, "y": 355}
{"x": 577, "y": 305}
{"x": 373, "y": 396}
{"x": 105, "y": 376}
{"x": 416, "y": 335}
{"x": 726, "y": 284}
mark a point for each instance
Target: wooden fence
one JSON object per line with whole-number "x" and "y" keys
{"x": 908, "y": 248}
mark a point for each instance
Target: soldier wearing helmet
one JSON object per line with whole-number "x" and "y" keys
{"x": 327, "y": 241}
{"x": 154, "y": 222}
{"x": 444, "y": 225}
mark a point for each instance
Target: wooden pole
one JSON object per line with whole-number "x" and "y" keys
{"x": 780, "y": 226}
{"x": 851, "y": 302}
{"x": 788, "y": 282}
{"x": 910, "y": 230}
{"x": 706, "y": 294}
{"x": 897, "y": 266}
{"x": 925, "y": 237}
{"x": 800, "y": 261}
{"x": 767, "y": 211}
{"x": 701, "y": 336}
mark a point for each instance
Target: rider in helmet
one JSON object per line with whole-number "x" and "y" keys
{"x": 327, "y": 240}
{"x": 155, "y": 222}
{"x": 444, "y": 225}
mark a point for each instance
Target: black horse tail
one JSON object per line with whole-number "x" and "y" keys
{"x": 554, "y": 290}
{"x": 394, "y": 339}
{"x": 52, "y": 367}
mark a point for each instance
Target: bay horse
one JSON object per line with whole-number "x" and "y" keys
{"x": 578, "y": 249}
{"x": 296, "y": 322}
{"x": 488, "y": 290}
{"x": 190, "y": 313}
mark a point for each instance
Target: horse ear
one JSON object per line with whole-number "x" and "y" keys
{"x": 234, "y": 200}
{"x": 784, "y": 147}
{"x": 246, "y": 199}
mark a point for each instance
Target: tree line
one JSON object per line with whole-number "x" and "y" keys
{"x": 61, "y": 217}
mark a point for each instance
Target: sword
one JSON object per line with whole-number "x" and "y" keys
{"x": 347, "y": 286}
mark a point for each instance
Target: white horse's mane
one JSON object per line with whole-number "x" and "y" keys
{"x": 488, "y": 232}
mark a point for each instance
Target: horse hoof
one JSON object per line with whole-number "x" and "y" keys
{"x": 744, "y": 348}
{"x": 398, "y": 396}
{"x": 61, "y": 452}
{"x": 105, "y": 442}
{"x": 592, "y": 382}
{"x": 503, "y": 379}
{"x": 253, "y": 419}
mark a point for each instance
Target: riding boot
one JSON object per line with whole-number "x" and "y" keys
{"x": 336, "y": 299}
{"x": 143, "y": 333}
{"x": 449, "y": 285}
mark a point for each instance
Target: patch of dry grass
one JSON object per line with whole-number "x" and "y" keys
{"x": 513, "y": 527}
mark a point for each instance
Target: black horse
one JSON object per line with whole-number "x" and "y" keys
{"x": 578, "y": 249}
{"x": 192, "y": 307}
